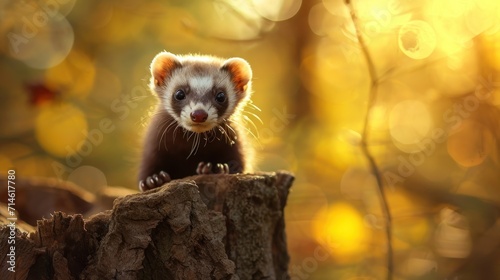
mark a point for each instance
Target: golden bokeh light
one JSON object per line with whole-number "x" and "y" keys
{"x": 318, "y": 20}
{"x": 44, "y": 43}
{"x": 457, "y": 23}
{"x": 409, "y": 121}
{"x": 483, "y": 17}
{"x": 88, "y": 177}
{"x": 336, "y": 8}
{"x": 461, "y": 67}
{"x": 317, "y": 74}
{"x": 61, "y": 129}
{"x": 230, "y": 20}
{"x": 470, "y": 144}
{"x": 417, "y": 39}
{"x": 332, "y": 151}
{"x": 277, "y": 10}
{"x": 341, "y": 229}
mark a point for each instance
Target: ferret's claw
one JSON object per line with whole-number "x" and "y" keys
{"x": 150, "y": 182}
{"x": 222, "y": 168}
{"x": 207, "y": 169}
{"x": 154, "y": 181}
{"x": 204, "y": 168}
{"x": 142, "y": 186}
{"x": 165, "y": 177}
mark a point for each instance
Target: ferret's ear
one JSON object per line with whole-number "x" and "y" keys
{"x": 241, "y": 73}
{"x": 162, "y": 67}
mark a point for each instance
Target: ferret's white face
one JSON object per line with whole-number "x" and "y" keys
{"x": 201, "y": 101}
{"x": 200, "y": 92}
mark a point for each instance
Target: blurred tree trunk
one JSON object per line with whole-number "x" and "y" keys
{"x": 303, "y": 36}
{"x": 202, "y": 227}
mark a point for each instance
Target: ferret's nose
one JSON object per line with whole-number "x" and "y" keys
{"x": 199, "y": 116}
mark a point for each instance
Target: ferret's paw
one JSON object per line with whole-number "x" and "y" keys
{"x": 206, "y": 168}
{"x": 154, "y": 181}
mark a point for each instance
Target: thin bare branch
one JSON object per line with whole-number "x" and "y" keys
{"x": 372, "y": 97}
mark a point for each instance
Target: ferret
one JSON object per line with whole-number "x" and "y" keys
{"x": 197, "y": 126}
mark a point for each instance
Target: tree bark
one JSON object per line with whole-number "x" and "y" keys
{"x": 201, "y": 227}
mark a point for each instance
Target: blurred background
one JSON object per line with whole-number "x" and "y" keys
{"x": 74, "y": 103}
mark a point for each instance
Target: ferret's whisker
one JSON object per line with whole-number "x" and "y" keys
{"x": 213, "y": 135}
{"x": 175, "y": 134}
{"x": 248, "y": 120}
{"x": 253, "y": 106}
{"x": 222, "y": 132}
{"x": 206, "y": 138}
{"x": 249, "y": 131}
{"x": 161, "y": 140}
{"x": 253, "y": 115}
{"x": 195, "y": 145}
{"x": 161, "y": 128}
{"x": 166, "y": 129}
{"x": 170, "y": 125}
{"x": 226, "y": 134}
{"x": 230, "y": 128}
{"x": 198, "y": 141}
{"x": 186, "y": 132}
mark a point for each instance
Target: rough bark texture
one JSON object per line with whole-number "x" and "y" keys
{"x": 202, "y": 227}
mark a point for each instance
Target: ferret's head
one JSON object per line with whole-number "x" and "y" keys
{"x": 200, "y": 92}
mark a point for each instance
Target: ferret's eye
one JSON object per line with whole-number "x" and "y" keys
{"x": 179, "y": 95}
{"x": 220, "y": 97}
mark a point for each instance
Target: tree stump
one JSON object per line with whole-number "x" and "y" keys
{"x": 201, "y": 227}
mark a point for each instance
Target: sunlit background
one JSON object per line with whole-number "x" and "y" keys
{"x": 74, "y": 103}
